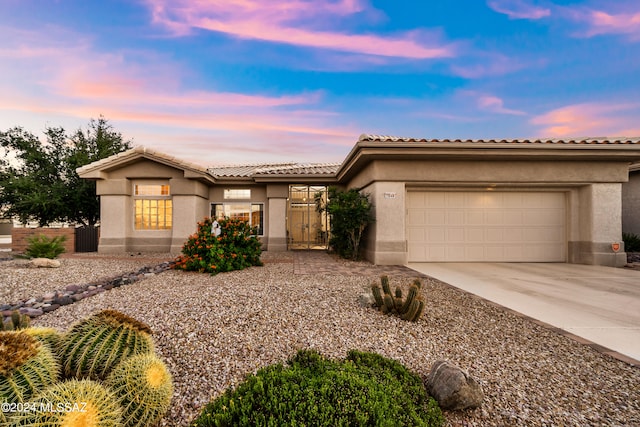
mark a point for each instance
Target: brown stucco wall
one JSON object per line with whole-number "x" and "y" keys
{"x": 480, "y": 172}
{"x": 20, "y": 236}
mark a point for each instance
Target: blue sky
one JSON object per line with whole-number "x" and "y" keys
{"x": 249, "y": 81}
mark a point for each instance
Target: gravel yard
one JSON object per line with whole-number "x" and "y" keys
{"x": 213, "y": 330}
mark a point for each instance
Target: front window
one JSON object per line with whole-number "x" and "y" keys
{"x": 253, "y": 213}
{"x": 153, "y": 207}
{"x": 237, "y": 194}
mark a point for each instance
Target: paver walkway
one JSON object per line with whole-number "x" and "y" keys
{"x": 320, "y": 262}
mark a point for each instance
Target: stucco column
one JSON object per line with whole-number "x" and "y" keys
{"x": 115, "y": 214}
{"x": 385, "y": 242}
{"x": 190, "y": 205}
{"x": 600, "y": 225}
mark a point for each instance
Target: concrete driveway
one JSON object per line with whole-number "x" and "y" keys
{"x": 600, "y": 304}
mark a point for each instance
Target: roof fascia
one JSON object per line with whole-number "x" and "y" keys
{"x": 366, "y": 151}
{"x": 100, "y": 168}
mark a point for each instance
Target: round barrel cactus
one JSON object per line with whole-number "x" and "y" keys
{"x": 26, "y": 366}
{"x": 48, "y": 336}
{"x": 144, "y": 386}
{"x": 73, "y": 403}
{"x": 94, "y": 346}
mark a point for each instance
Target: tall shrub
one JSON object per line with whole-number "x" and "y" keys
{"x": 350, "y": 214}
{"x": 236, "y": 247}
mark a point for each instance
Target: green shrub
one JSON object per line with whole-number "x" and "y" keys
{"x": 41, "y": 246}
{"x": 350, "y": 214}
{"x": 631, "y": 242}
{"x": 364, "y": 390}
{"x": 236, "y": 247}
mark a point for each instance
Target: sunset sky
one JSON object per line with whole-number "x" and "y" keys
{"x": 251, "y": 81}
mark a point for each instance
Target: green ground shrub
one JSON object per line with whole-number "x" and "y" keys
{"x": 365, "y": 389}
{"x": 631, "y": 242}
{"x": 41, "y": 246}
{"x": 237, "y": 247}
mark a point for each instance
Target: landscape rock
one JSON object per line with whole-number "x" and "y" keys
{"x": 51, "y": 307}
{"x": 31, "y": 312}
{"x": 62, "y": 301}
{"x": 44, "y": 263}
{"x": 366, "y": 300}
{"x": 452, "y": 387}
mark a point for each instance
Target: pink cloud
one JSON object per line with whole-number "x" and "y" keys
{"x": 490, "y": 64}
{"x": 588, "y": 120}
{"x": 494, "y": 104}
{"x": 66, "y": 83}
{"x": 518, "y": 9}
{"x": 605, "y": 23}
{"x": 294, "y": 22}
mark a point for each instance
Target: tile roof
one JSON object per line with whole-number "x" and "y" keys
{"x": 580, "y": 141}
{"x": 246, "y": 171}
{"x": 134, "y": 153}
{"x": 301, "y": 169}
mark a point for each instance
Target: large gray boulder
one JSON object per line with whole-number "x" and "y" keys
{"x": 453, "y": 388}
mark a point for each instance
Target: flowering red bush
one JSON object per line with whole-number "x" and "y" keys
{"x": 236, "y": 247}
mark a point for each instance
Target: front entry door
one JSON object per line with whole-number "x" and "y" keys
{"x": 306, "y": 227}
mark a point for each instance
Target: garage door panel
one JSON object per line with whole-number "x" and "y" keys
{"x": 486, "y": 226}
{"x": 416, "y": 217}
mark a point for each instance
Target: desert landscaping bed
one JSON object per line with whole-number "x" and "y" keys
{"x": 213, "y": 330}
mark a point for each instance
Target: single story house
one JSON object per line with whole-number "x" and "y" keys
{"x": 434, "y": 199}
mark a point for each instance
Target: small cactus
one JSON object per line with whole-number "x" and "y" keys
{"x": 143, "y": 385}
{"x": 410, "y": 308}
{"x": 26, "y": 366}
{"x": 377, "y": 294}
{"x": 94, "y": 346}
{"x": 15, "y": 321}
{"x": 74, "y": 404}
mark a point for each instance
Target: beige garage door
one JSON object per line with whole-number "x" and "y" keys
{"x": 488, "y": 226}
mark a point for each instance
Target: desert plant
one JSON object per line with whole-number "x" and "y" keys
{"x": 237, "y": 247}
{"x": 410, "y": 308}
{"x": 15, "y": 321}
{"x": 631, "y": 242}
{"x": 350, "y": 214}
{"x": 144, "y": 387}
{"x": 41, "y": 246}
{"x": 26, "y": 366}
{"x": 73, "y": 403}
{"x": 314, "y": 390}
{"x": 94, "y": 346}
{"x": 47, "y": 336}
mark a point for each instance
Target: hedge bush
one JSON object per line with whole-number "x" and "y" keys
{"x": 365, "y": 389}
{"x": 236, "y": 247}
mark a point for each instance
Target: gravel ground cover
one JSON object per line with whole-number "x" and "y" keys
{"x": 213, "y": 330}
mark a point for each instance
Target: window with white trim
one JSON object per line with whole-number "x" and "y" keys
{"x": 253, "y": 213}
{"x": 153, "y": 207}
{"x": 237, "y": 194}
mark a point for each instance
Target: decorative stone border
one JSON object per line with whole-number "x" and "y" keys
{"x": 53, "y": 300}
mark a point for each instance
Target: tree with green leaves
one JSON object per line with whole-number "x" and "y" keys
{"x": 350, "y": 212}
{"x": 38, "y": 179}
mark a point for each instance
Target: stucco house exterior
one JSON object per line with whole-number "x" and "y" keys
{"x": 434, "y": 200}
